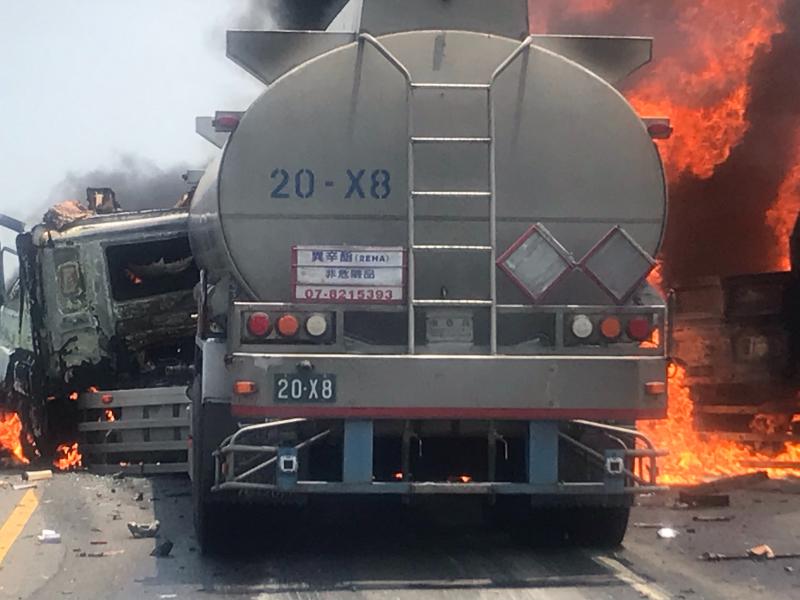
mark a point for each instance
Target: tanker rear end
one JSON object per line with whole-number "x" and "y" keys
{"x": 424, "y": 253}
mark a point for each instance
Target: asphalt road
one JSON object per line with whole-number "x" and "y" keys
{"x": 377, "y": 554}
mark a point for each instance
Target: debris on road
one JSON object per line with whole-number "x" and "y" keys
{"x": 138, "y": 497}
{"x": 49, "y": 536}
{"x": 761, "y": 551}
{"x": 144, "y": 530}
{"x": 23, "y": 486}
{"x": 667, "y": 533}
{"x": 697, "y": 499}
{"x": 650, "y": 525}
{"x": 163, "y": 549}
{"x": 719, "y": 519}
{"x": 103, "y": 554}
{"x": 728, "y": 484}
{"x": 37, "y": 475}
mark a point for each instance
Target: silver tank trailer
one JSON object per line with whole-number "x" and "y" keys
{"x": 420, "y": 124}
{"x": 571, "y": 153}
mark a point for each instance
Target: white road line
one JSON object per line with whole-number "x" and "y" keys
{"x": 623, "y": 573}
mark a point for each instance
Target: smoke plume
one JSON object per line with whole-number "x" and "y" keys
{"x": 726, "y": 72}
{"x": 139, "y": 184}
{"x": 290, "y": 14}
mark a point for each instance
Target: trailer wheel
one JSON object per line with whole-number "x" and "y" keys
{"x": 599, "y": 526}
{"x": 211, "y": 423}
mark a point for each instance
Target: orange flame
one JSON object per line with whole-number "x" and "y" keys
{"x": 68, "y": 457}
{"x": 782, "y": 215}
{"x": 696, "y": 457}
{"x": 10, "y": 432}
{"x": 109, "y": 414}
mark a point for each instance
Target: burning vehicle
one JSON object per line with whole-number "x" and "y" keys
{"x": 104, "y": 301}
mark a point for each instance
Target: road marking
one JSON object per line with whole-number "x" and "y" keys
{"x": 16, "y": 522}
{"x": 623, "y": 573}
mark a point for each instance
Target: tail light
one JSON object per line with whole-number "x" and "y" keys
{"x": 259, "y": 324}
{"x": 288, "y": 326}
{"x": 640, "y": 328}
{"x": 316, "y": 325}
{"x": 611, "y": 328}
{"x": 582, "y": 327}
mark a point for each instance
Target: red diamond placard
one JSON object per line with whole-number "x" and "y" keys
{"x": 536, "y": 262}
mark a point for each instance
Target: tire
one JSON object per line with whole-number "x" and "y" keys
{"x": 547, "y": 527}
{"x": 211, "y": 423}
{"x": 599, "y": 526}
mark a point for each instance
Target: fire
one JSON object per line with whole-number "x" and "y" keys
{"x": 109, "y": 415}
{"x": 695, "y": 456}
{"x": 10, "y": 432}
{"x": 782, "y": 215}
{"x": 67, "y": 457}
{"x": 701, "y": 79}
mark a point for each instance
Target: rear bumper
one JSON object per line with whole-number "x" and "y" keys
{"x": 462, "y": 387}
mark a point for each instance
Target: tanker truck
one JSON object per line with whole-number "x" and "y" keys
{"x": 424, "y": 253}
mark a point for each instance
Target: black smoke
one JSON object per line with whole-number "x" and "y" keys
{"x": 716, "y": 225}
{"x": 139, "y": 184}
{"x": 290, "y": 14}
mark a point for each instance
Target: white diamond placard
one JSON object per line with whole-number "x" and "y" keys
{"x": 618, "y": 264}
{"x": 536, "y": 262}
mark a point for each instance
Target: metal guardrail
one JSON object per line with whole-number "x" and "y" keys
{"x": 139, "y": 431}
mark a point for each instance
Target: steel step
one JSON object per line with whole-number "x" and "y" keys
{"x": 452, "y": 248}
{"x": 445, "y": 303}
{"x": 446, "y": 194}
{"x": 451, "y": 140}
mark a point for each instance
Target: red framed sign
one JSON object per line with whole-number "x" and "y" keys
{"x": 349, "y": 274}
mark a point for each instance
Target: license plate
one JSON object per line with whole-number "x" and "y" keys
{"x": 302, "y": 387}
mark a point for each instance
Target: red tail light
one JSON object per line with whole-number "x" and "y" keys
{"x": 259, "y": 324}
{"x": 640, "y": 328}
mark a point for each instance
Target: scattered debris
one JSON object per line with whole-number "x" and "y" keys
{"x": 144, "y": 530}
{"x": 138, "y": 497}
{"x": 697, "y": 499}
{"x": 719, "y": 519}
{"x": 37, "y": 475}
{"x": 98, "y": 542}
{"x": 761, "y": 551}
{"x": 49, "y": 536}
{"x": 23, "y": 486}
{"x": 667, "y": 533}
{"x": 727, "y": 484}
{"x": 163, "y": 549}
{"x": 650, "y": 525}
{"x": 103, "y": 554}
{"x": 788, "y": 569}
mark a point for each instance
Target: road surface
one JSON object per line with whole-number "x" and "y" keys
{"x": 436, "y": 554}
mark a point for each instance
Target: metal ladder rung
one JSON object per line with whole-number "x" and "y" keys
{"x": 450, "y": 86}
{"x": 444, "y": 194}
{"x": 451, "y": 140}
{"x": 451, "y": 247}
{"x": 418, "y": 302}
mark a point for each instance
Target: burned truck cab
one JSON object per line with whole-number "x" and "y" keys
{"x": 111, "y": 297}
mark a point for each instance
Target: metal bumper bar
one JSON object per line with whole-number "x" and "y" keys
{"x": 256, "y": 467}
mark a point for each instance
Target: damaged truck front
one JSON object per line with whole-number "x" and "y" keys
{"x": 104, "y": 302}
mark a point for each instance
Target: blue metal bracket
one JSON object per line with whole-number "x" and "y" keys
{"x": 357, "y": 466}
{"x": 542, "y": 452}
{"x": 614, "y": 471}
{"x": 288, "y": 468}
